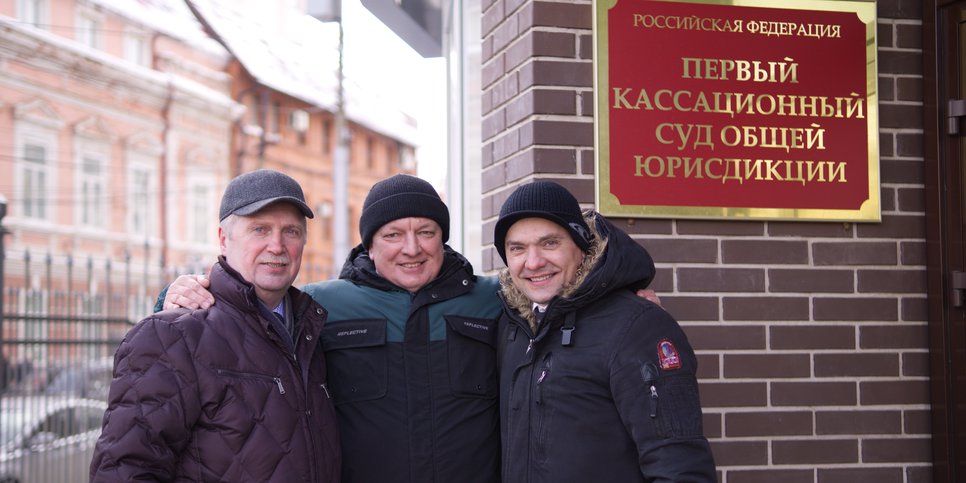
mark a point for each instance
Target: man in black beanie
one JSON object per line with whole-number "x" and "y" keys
{"x": 596, "y": 383}
{"x": 410, "y": 343}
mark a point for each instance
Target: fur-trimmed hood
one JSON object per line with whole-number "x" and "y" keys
{"x": 613, "y": 262}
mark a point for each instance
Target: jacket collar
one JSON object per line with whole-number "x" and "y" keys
{"x": 228, "y": 285}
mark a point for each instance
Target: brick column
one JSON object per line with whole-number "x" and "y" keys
{"x": 537, "y": 102}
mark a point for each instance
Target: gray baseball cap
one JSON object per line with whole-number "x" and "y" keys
{"x": 252, "y": 191}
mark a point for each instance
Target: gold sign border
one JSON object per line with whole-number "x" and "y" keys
{"x": 609, "y": 205}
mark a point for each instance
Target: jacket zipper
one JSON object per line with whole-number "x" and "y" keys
{"x": 316, "y": 439}
{"x": 543, "y": 375}
{"x": 252, "y": 375}
{"x": 649, "y": 375}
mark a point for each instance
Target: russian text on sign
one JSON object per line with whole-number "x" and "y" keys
{"x": 741, "y": 70}
{"x": 733, "y": 103}
{"x": 740, "y": 170}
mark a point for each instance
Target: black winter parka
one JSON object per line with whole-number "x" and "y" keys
{"x": 413, "y": 375}
{"x": 619, "y": 401}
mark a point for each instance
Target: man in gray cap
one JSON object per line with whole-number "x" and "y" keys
{"x": 236, "y": 391}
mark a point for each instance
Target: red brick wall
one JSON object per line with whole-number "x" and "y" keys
{"x": 811, "y": 336}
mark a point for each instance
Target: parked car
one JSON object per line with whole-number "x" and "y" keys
{"x": 47, "y": 439}
{"x": 27, "y": 377}
{"x": 87, "y": 379}
{"x": 79, "y": 378}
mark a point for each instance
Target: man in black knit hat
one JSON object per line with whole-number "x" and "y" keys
{"x": 596, "y": 384}
{"x": 410, "y": 345}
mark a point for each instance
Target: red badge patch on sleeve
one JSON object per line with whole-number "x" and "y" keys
{"x": 668, "y": 355}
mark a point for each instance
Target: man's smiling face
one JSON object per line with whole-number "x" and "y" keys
{"x": 542, "y": 258}
{"x": 408, "y": 252}
{"x": 265, "y": 248}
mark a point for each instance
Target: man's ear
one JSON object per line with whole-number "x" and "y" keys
{"x": 221, "y": 240}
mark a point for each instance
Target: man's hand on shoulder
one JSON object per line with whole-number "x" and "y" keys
{"x": 646, "y": 293}
{"x": 189, "y": 292}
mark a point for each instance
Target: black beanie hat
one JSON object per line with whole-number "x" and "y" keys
{"x": 542, "y": 199}
{"x": 401, "y": 196}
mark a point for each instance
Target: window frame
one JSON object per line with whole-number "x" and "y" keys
{"x": 200, "y": 208}
{"x": 91, "y": 210}
{"x": 34, "y": 12}
{"x": 90, "y": 34}
{"x": 142, "y": 199}
{"x": 28, "y": 134}
{"x": 136, "y": 47}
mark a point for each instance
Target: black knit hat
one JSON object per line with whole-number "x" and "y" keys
{"x": 542, "y": 199}
{"x": 401, "y": 196}
{"x": 252, "y": 191}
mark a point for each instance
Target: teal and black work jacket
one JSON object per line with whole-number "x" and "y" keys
{"x": 413, "y": 375}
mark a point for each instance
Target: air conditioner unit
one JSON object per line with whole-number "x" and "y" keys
{"x": 272, "y": 138}
{"x": 252, "y": 130}
{"x": 299, "y": 120}
{"x": 324, "y": 10}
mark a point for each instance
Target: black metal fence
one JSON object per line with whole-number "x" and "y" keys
{"x": 61, "y": 319}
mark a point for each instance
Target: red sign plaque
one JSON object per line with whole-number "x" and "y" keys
{"x": 737, "y": 109}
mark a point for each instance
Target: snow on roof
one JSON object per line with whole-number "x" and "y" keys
{"x": 136, "y": 73}
{"x": 170, "y": 17}
{"x": 301, "y": 62}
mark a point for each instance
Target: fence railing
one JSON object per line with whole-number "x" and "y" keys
{"x": 61, "y": 320}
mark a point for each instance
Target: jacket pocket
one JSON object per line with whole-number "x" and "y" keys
{"x": 355, "y": 355}
{"x": 253, "y": 377}
{"x": 673, "y": 403}
{"x": 471, "y": 349}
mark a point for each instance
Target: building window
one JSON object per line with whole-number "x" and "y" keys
{"x": 392, "y": 150}
{"x": 33, "y": 12}
{"x": 35, "y": 151}
{"x": 87, "y": 30}
{"x": 92, "y": 188}
{"x": 142, "y": 194}
{"x": 137, "y": 49}
{"x": 200, "y": 213}
{"x": 407, "y": 158}
{"x": 274, "y": 115}
{"x": 324, "y": 212}
{"x": 327, "y": 137}
{"x": 300, "y": 121}
{"x": 35, "y": 168}
{"x": 370, "y": 154}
